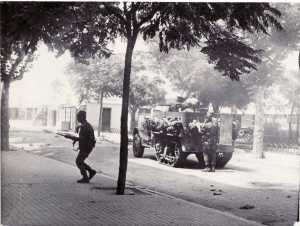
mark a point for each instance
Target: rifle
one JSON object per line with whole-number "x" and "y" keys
{"x": 70, "y": 135}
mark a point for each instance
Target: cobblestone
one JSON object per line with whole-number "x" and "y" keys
{"x": 42, "y": 192}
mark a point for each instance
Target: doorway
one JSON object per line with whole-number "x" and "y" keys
{"x": 106, "y": 118}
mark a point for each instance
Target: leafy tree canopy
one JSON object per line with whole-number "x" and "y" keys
{"x": 96, "y": 75}
{"x": 276, "y": 48}
{"x": 192, "y": 76}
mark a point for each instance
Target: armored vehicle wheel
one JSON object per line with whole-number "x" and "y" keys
{"x": 200, "y": 159}
{"x": 223, "y": 158}
{"x": 178, "y": 157}
{"x": 137, "y": 147}
{"x": 158, "y": 152}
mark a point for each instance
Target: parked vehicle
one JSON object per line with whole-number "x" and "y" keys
{"x": 175, "y": 135}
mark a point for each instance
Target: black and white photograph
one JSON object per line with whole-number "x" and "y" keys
{"x": 150, "y": 113}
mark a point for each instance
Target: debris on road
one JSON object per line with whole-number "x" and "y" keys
{"x": 247, "y": 207}
{"x": 216, "y": 193}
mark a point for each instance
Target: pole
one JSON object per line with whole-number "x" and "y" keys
{"x": 298, "y": 206}
{"x": 297, "y": 223}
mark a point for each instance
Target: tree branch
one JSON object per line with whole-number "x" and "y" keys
{"x": 149, "y": 16}
{"x": 134, "y": 7}
{"x": 23, "y": 68}
{"x": 20, "y": 59}
{"x": 117, "y": 12}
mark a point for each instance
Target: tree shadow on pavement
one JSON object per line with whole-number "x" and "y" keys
{"x": 103, "y": 188}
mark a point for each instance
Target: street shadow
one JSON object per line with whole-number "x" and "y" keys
{"x": 128, "y": 191}
{"x": 187, "y": 164}
{"x": 191, "y": 163}
{"x": 103, "y": 188}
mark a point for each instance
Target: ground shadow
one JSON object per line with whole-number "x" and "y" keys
{"x": 103, "y": 188}
{"x": 128, "y": 191}
{"x": 192, "y": 163}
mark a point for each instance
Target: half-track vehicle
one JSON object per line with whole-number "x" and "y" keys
{"x": 175, "y": 135}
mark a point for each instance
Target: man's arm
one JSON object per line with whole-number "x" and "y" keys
{"x": 74, "y": 138}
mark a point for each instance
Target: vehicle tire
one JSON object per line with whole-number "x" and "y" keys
{"x": 158, "y": 152}
{"x": 200, "y": 158}
{"x": 179, "y": 156}
{"x": 137, "y": 147}
{"x": 223, "y": 158}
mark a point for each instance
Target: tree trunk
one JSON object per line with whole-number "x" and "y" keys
{"x": 298, "y": 124}
{"x": 258, "y": 136}
{"x": 124, "y": 116}
{"x": 100, "y": 113}
{"x": 298, "y": 119}
{"x": 1, "y": 83}
{"x": 132, "y": 118}
{"x": 290, "y": 124}
{"x": 5, "y": 116}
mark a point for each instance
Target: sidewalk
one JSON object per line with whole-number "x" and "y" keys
{"x": 38, "y": 191}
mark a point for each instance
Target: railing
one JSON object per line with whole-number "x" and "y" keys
{"x": 281, "y": 133}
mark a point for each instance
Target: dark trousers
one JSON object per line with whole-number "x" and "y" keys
{"x": 82, "y": 166}
{"x": 209, "y": 155}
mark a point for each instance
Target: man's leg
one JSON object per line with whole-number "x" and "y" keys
{"x": 206, "y": 158}
{"x": 213, "y": 156}
{"x": 91, "y": 171}
{"x": 82, "y": 167}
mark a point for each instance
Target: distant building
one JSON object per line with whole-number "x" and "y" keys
{"x": 111, "y": 114}
{"x": 60, "y": 117}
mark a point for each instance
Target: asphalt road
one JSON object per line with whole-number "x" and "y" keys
{"x": 261, "y": 190}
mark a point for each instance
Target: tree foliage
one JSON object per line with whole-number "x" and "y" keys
{"x": 276, "y": 47}
{"x": 105, "y": 74}
{"x": 193, "y": 76}
{"x": 22, "y": 26}
{"x": 98, "y": 75}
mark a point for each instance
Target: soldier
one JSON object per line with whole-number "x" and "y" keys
{"x": 210, "y": 139}
{"x": 86, "y": 144}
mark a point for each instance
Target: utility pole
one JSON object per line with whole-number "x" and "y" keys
{"x": 298, "y": 206}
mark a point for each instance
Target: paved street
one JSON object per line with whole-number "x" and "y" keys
{"x": 39, "y": 191}
{"x": 260, "y": 190}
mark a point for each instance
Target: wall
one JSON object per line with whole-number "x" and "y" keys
{"x": 93, "y": 109}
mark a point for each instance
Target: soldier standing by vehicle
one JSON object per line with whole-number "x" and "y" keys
{"x": 210, "y": 132}
{"x": 86, "y": 144}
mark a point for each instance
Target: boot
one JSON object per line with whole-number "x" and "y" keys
{"x": 92, "y": 173}
{"x": 83, "y": 181}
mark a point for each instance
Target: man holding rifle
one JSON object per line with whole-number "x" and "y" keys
{"x": 87, "y": 142}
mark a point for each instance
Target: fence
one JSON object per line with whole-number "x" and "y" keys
{"x": 281, "y": 132}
